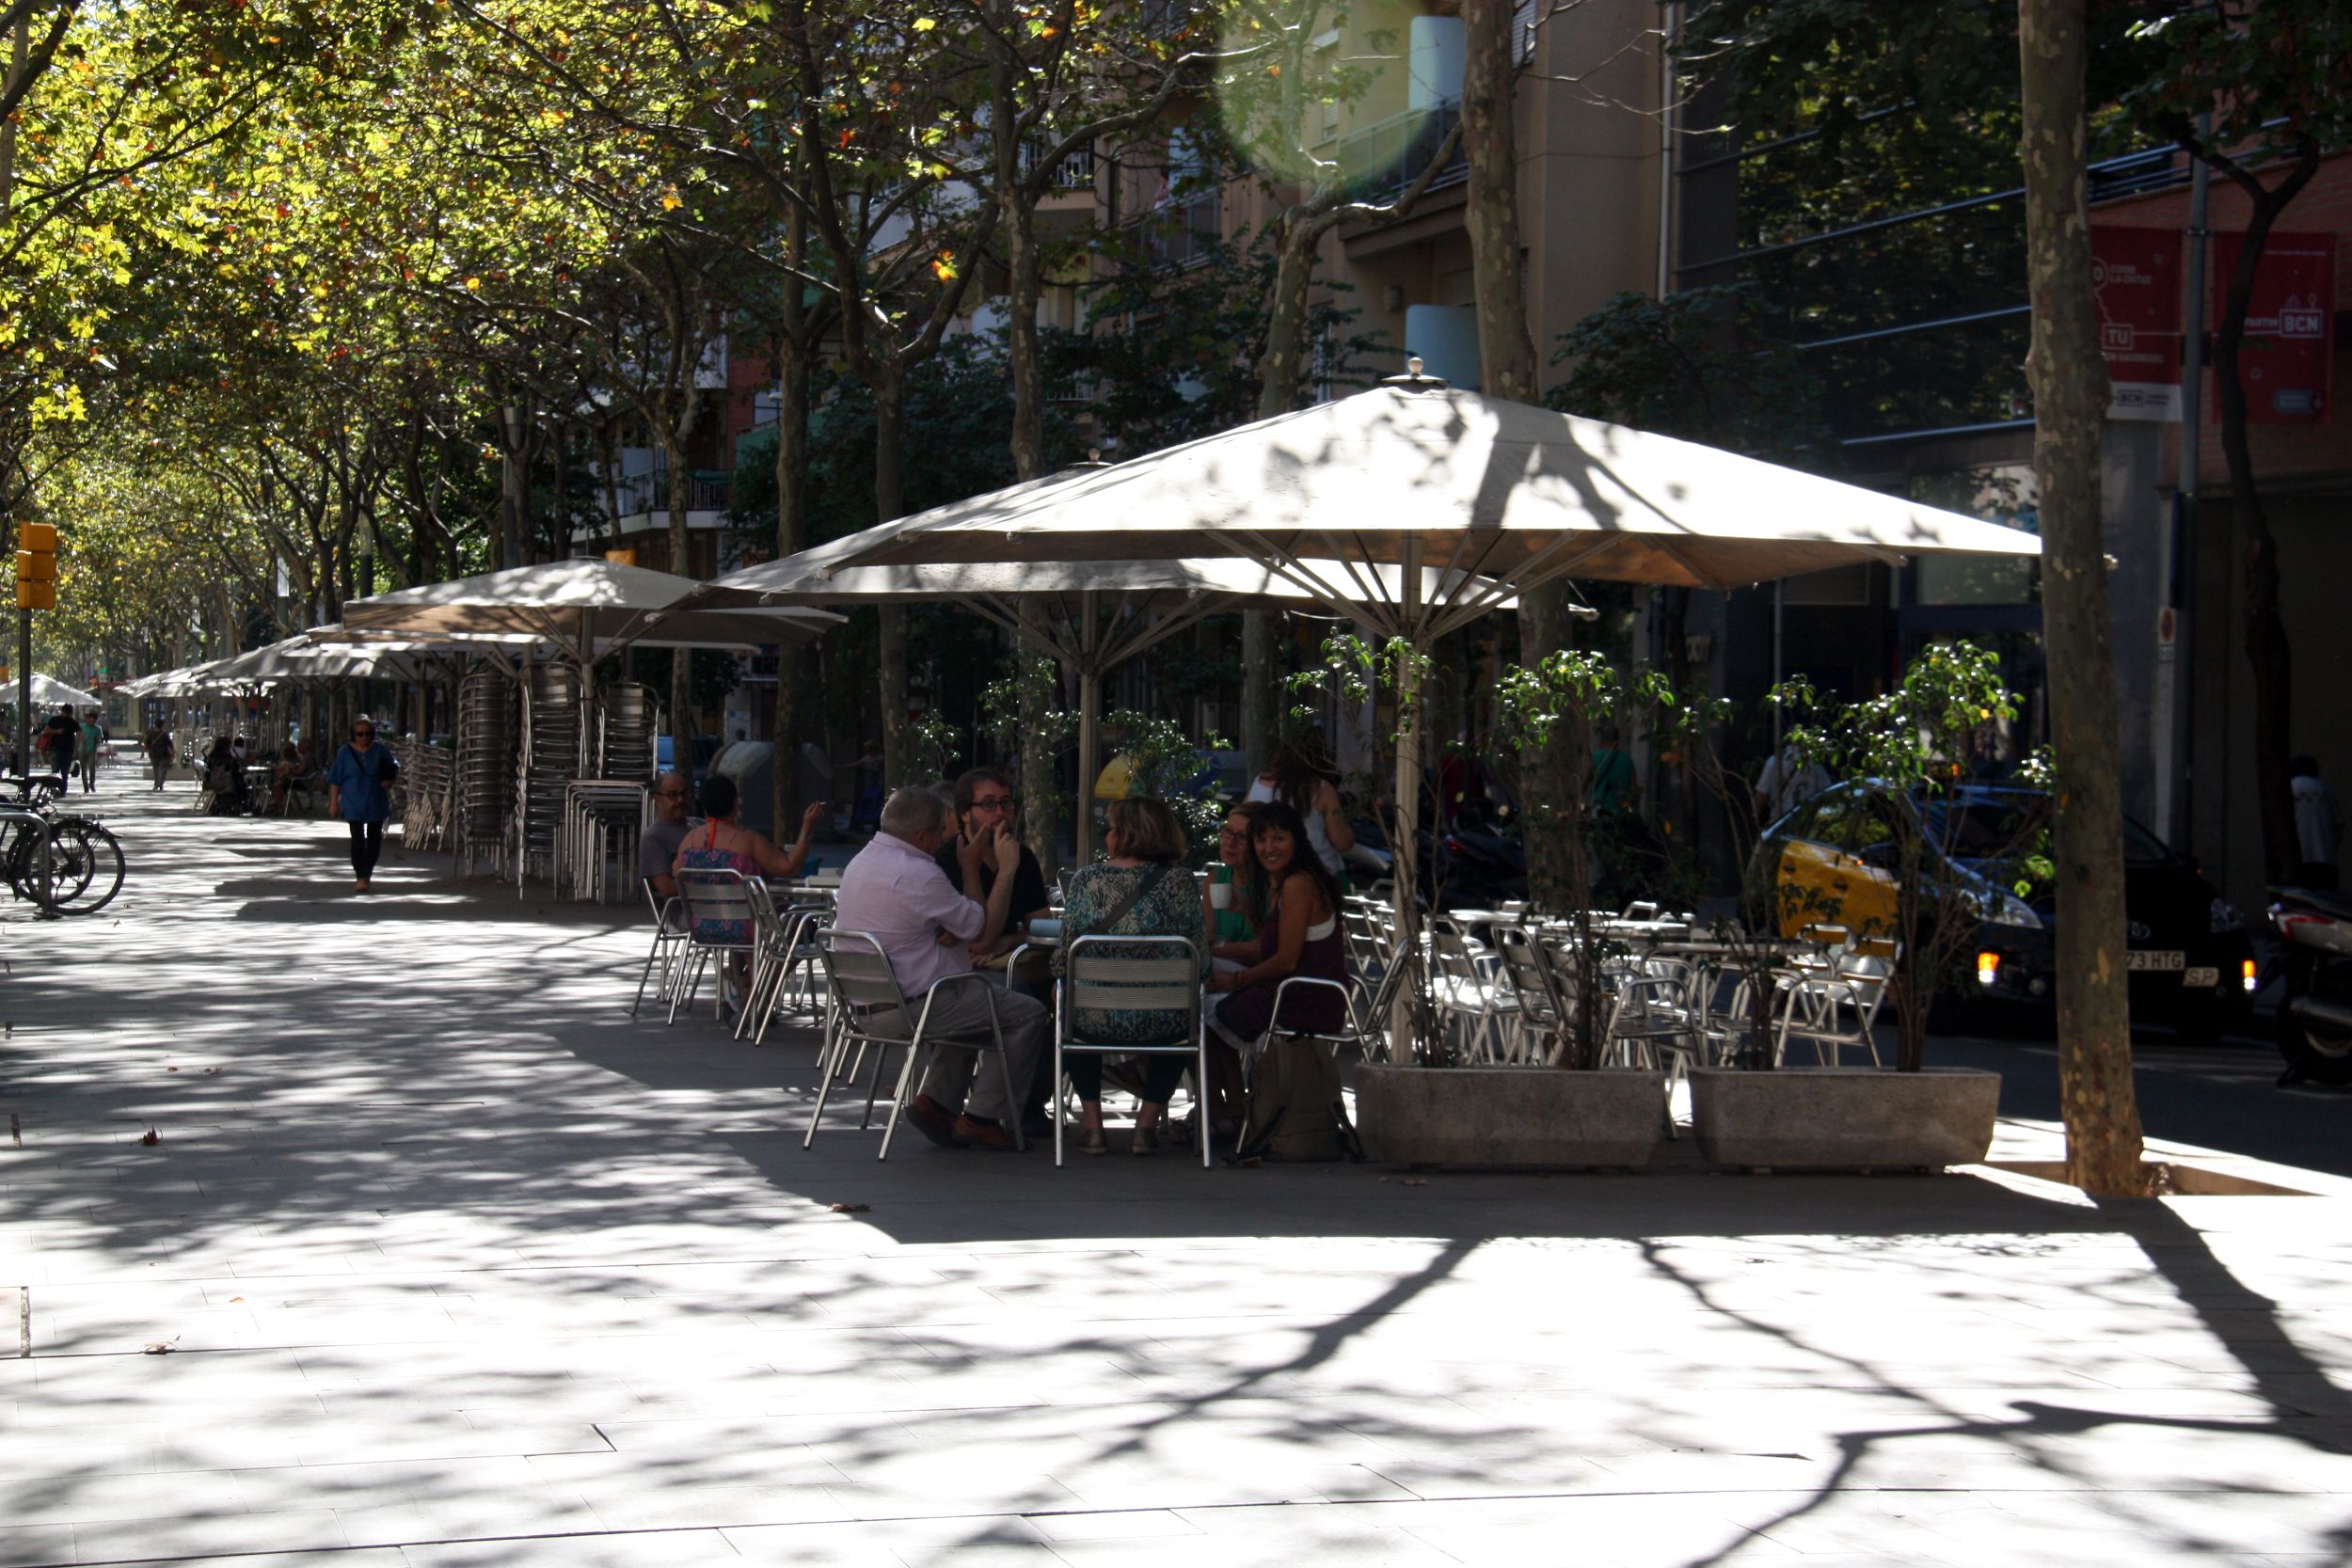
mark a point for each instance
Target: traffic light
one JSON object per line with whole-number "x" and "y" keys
{"x": 37, "y": 566}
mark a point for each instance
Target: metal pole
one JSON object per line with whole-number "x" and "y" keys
{"x": 25, "y": 691}
{"x": 1089, "y": 722}
{"x": 1404, "y": 843}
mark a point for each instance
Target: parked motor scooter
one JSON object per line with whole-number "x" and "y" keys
{"x": 2315, "y": 1016}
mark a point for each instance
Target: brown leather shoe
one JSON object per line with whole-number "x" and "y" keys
{"x": 934, "y": 1121}
{"x": 972, "y": 1133}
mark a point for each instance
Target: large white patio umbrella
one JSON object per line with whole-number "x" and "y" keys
{"x": 1092, "y": 617}
{"x": 1502, "y": 496}
{"x": 50, "y": 692}
{"x": 584, "y": 607}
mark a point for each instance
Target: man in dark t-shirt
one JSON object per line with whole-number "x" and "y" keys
{"x": 984, "y": 802}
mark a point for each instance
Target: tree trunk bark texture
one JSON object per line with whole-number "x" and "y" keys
{"x": 1041, "y": 823}
{"x": 2267, "y": 653}
{"x": 2070, "y": 387}
{"x": 1507, "y": 353}
{"x": 791, "y": 536}
{"x": 889, "y": 501}
{"x": 681, "y": 659}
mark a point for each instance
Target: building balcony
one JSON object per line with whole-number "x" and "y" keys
{"x": 1185, "y": 233}
{"x": 1384, "y": 157}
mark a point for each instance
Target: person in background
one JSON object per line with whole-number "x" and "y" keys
{"x": 1786, "y": 782}
{"x": 894, "y": 891}
{"x": 282, "y": 774}
{"x": 358, "y": 790}
{"x": 59, "y": 744}
{"x": 160, "y": 751}
{"x": 1612, "y": 787}
{"x": 720, "y": 842}
{"x": 1298, "y": 781}
{"x": 2318, "y": 822}
{"x": 93, "y": 742}
{"x": 657, "y": 847}
{"x": 1139, "y": 889}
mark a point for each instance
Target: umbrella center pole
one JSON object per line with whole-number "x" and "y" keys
{"x": 1404, "y": 1043}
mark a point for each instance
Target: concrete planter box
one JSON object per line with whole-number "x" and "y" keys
{"x": 1509, "y": 1118}
{"x": 1843, "y": 1118}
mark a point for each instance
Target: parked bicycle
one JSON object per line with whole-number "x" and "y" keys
{"x": 66, "y": 863}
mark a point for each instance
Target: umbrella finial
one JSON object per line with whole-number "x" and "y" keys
{"x": 1413, "y": 380}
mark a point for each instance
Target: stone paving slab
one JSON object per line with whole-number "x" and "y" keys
{"x": 461, "y": 1266}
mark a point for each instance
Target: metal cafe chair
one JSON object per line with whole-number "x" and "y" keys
{"x": 1104, "y": 973}
{"x": 869, "y": 1010}
{"x": 668, "y": 935}
{"x": 712, "y": 898}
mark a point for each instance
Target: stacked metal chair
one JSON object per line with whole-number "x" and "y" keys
{"x": 484, "y": 773}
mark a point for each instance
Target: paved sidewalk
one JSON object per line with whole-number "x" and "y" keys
{"x": 462, "y": 1266}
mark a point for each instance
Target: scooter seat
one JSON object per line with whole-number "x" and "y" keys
{"x": 2337, "y": 904}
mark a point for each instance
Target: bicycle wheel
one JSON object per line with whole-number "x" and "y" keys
{"x": 85, "y": 866}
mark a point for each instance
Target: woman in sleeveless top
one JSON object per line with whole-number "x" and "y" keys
{"x": 1301, "y": 935}
{"x": 719, "y": 844}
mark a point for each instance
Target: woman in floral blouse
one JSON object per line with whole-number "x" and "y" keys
{"x": 1144, "y": 848}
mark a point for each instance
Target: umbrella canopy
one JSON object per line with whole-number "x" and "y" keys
{"x": 184, "y": 681}
{"x": 1504, "y": 497}
{"x": 49, "y": 692}
{"x": 584, "y": 607}
{"x": 1092, "y": 616}
{"x": 1420, "y": 474}
{"x": 299, "y": 658}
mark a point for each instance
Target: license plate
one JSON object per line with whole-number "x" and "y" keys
{"x": 2205, "y": 978}
{"x": 2148, "y": 958}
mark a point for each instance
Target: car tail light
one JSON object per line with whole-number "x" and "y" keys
{"x": 2246, "y": 968}
{"x": 1988, "y": 967}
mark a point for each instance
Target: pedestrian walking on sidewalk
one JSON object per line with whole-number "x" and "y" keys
{"x": 358, "y": 790}
{"x": 159, "y": 754}
{"x": 93, "y": 742}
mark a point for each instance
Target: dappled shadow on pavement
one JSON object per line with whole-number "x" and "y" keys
{"x": 451, "y": 1249}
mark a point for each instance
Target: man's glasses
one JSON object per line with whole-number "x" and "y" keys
{"x": 997, "y": 802}
{"x": 1234, "y": 833}
{"x": 669, "y": 795}
{"x": 363, "y": 735}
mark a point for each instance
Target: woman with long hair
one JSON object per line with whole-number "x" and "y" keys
{"x": 1302, "y": 782}
{"x": 1301, "y": 935}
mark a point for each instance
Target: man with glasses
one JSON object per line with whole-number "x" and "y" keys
{"x": 659, "y": 844}
{"x": 988, "y": 808}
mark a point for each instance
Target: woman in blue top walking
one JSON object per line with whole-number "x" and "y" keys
{"x": 358, "y": 791}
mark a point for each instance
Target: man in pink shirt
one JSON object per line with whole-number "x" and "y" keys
{"x": 895, "y": 891}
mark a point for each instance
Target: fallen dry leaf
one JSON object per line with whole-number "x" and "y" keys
{"x": 150, "y": 1137}
{"x": 236, "y": 1298}
{"x": 161, "y": 1347}
{"x": 171, "y": 1069}
{"x": 852, "y": 1208}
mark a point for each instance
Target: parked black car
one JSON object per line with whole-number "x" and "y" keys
{"x": 2191, "y": 962}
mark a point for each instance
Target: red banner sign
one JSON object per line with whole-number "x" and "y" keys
{"x": 2288, "y": 361}
{"x": 2136, "y": 273}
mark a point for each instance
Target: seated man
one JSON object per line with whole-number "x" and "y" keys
{"x": 659, "y": 844}
{"x": 895, "y": 891}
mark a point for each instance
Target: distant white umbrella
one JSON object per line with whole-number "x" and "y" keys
{"x": 585, "y": 608}
{"x": 48, "y": 693}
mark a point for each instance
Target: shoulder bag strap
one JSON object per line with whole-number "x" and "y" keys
{"x": 1119, "y": 911}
